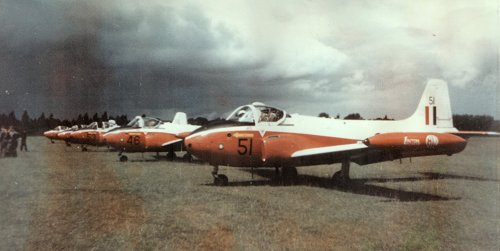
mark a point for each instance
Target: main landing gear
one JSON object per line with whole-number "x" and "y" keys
{"x": 171, "y": 155}
{"x": 123, "y": 158}
{"x": 219, "y": 179}
{"x": 286, "y": 175}
{"x": 84, "y": 148}
{"x": 342, "y": 176}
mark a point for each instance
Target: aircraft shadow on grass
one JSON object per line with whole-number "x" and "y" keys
{"x": 362, "y": 186}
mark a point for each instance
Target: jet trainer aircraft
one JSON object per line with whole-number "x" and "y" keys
{"x": 81, "y": 134}
{"x": 53, "y": 134}
{"x": 258, "y": 135}
{"x": 146, "y": 134}
{"x": 92, "y": 134}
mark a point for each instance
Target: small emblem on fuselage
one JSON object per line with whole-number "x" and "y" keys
{"x": 431, "y": 141}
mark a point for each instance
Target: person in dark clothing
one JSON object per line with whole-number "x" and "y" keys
{"x": 11, "y": 146}
{"x": 23, "y": 141}
{"x": 3, "y": 141}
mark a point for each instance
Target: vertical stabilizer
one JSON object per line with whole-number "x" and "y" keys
{"x": 180, "y": 118}
{"x": 434, "y": 108}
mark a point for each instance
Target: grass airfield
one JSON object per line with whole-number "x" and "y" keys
{"x": 56, "y": 197}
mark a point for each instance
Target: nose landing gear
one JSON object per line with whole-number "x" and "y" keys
{"x": 342, "y": 176}
{"x": 123, "y": 158}
{"x": 219, "y": 179}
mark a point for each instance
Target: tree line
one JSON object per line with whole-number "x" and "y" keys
{"x": 37, "y": 125}
{"x": 463, "y": 122}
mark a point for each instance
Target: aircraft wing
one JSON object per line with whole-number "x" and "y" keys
{"x": 329, "y": 149}
{"x": 171, "y": 142}
{"x": 468, "y": 134}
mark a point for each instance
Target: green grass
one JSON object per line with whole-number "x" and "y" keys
{"x": 57, "y": 197}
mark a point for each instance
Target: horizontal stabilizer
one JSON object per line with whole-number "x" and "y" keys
{"x": 329, "y": 149}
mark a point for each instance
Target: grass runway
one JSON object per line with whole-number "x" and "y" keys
{"x": 57, "y": 198}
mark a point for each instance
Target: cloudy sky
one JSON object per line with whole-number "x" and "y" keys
{"x": 207, "y": 57}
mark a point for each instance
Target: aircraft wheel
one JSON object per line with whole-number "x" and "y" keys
{"x": 289, "y": 175}
{"x": 84, "y": 149}
{"x": 221, "y": 180}
{"x": 123, "y": 158}
{"x": 339, "y": 178}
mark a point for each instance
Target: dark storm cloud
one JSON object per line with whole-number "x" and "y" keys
{"x": 157, "y": 57}
{"x": 49, "y": 61}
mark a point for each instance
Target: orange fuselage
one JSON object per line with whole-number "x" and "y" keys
{"x": 248, "y": 148}
{"x": 139, "y": 141}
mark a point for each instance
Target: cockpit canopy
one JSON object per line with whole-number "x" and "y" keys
{"x": 257, "y": 113}
{"x": 61, "y": 128}
{"x": 109, "y": 124}
{"x": 140, "y": 122}
{"x": 93, "y": 125}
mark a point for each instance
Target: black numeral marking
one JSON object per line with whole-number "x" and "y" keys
{"x": 243, "y": 148}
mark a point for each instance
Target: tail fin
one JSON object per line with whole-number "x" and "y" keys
{"x": 180, "y": 118}
{"x": 434, "y": 108}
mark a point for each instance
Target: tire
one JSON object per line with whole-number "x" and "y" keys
{"x": 221, "y": 180}
{"x": 123, "y": 158}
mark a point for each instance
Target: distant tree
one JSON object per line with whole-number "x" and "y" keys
{"x": 41, "y": 122}
{"x": 198, "y": 121}
{"x": 96, "y": 117}
{"x": 79, "y": 120}
{"x": 338, "y": 116}
{"x": 384, "y": 118}
{"x": 66, "y": 123}
{"x": 104, "y": 116}
{"x": 25, "y": 120}
{"x": 468, "y": 122}
{"x": 324, "y": 115}
{"x": 12, "y": 120}
{"x": 353, "y": 116}
{"x": 121, "y": 120}
{"x": 86, "y": 119}
{"x": 52, "y": 122}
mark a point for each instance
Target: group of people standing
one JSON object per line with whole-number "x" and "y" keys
{"x": 9, "y": 139}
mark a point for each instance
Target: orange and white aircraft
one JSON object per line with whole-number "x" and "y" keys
{"x": 91, "y": 134}
{"x": 258, "y": 135}
{"x": 53, "y": 134}
{"x": 146, "y": 134}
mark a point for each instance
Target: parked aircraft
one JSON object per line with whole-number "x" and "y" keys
{"x": 146, "y": 134}
{"x": 258, "y": 135}
{"x": 52, "y": 134}
{"x": 92, "y": 134}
